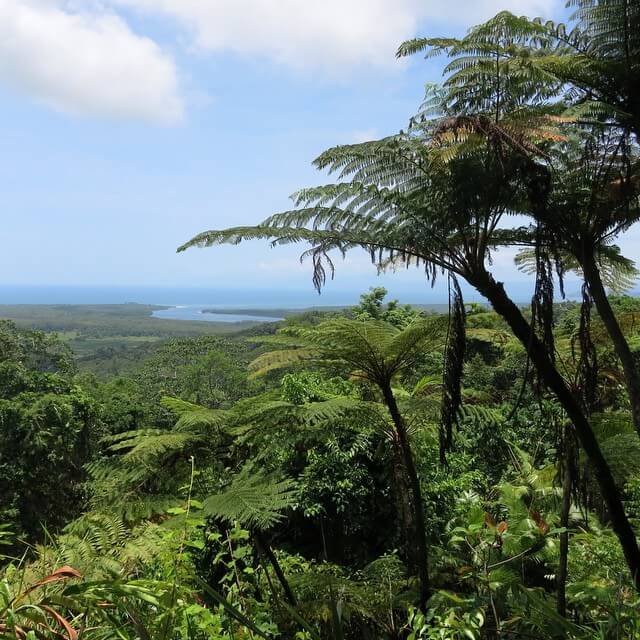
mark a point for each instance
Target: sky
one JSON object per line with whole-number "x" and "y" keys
{"x": 128, "y": 126}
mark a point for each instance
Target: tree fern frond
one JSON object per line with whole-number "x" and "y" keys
{"x": 282, "y": 359}
{"x": 194, "y": 417}
{"x": 253, "y": 499}
{"x": 481, "y": 414}
{"x": 618, "y": 273}
{"x": 146, "y": 444}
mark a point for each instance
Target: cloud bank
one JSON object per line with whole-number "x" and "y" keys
{"x": 332, "y": 35}
{"x": 82, "y": 56}
{"x": 86, "y": 63}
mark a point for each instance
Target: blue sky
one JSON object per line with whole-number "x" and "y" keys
{"x": 130, "y": 125}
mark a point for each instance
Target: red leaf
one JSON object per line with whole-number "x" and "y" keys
{"x": 63, "y": 573}
{"x": 72, "y": 634}
{"x": 543, "y": 527}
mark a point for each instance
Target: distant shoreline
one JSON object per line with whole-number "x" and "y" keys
{"x": 287, "y": 312}
{"x": 284, "y": 312}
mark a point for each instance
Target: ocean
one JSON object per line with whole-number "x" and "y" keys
{"x": 175, "y": 296}
{"x": 218, "y": 297}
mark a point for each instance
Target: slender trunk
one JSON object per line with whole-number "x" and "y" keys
{"x": 421, "y": 546}
{"x": 264, "y": 548}
{"x": 620, "y": 344}
{"x": 403, "y": 502}
{"x": 565, "y": 508}
{"x": 509, "y": 311}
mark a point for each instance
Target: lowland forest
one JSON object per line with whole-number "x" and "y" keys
{"x": 382, "y": 471}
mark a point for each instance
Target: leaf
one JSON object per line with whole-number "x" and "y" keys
{"x": 253, "y": 499}
{"x": 72, "y": 634}
{"x": 230, "y": 609}
{"x": 543, "y": 526}
{"x": 489, "y": 521}
{"x": 63, "y": 573}
{"x": 194, "y": 544}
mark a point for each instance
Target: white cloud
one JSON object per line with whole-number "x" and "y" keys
{"x": 297, "y": 33}
{"x": 81, "y": 56}
{"x": 86, "y": 63}
{"x": 330, "y": 35}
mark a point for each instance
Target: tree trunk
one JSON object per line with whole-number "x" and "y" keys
{"x": 264, "y": 549}
{"x": 620, "y": 344}
{"x": 509, "y": 311}
{"x": 421, "y": 546}
{"x": 403, "y": 502}
{"x": 565, "y": 508}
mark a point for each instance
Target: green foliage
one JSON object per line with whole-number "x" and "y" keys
{"x": 452, "y": 624}
{"x": 336, "y": 480}
{"x": 252, "y": 499}
{"x": 371, "y": 307}
{"x": 293, "y": 483}
{"x": 49, "y": 428}
{"x": 306, "y": 386}
{"x": 318, "y": 444}
{"x": 213, "y": 380}
{"x": 373, "y": 350}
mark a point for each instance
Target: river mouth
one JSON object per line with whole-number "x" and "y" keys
{"x": 198, "y": 313}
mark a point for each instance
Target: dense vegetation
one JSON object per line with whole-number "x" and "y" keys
{"x": 106, "y": 320}
{"x": 111, "y": 339}
{"x": 377, "y": 472}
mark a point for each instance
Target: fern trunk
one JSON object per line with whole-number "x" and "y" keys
{"x": 403, "y": 503}
{"x": 264, "y": 549}
{"x": 565, "y": 508}
{"x": 620, "y": 344}
{"x": 419, "y": 529}
{"x": 503, "y": 305}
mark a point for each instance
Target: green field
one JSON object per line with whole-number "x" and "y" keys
{"x": 99, "y": 320}
{"x": 109, "y": 339}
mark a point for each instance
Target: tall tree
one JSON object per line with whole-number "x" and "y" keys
{"x": 505, "y": 85}
{"x": 404, "y": 203}
{"x": 378, "y": 353}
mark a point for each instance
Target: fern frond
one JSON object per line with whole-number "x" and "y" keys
{"x": 273, "y": 360}
{"x": 192, "y": 417}
{"x": 148, "y": 444}
{"x": 253, "y": 499}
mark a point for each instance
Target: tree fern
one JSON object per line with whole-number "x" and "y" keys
{"x": 309, "y": 414}
{"x": 619, "y": 273}
{"x": 439, "y": 196}
{"x": 274, "y": 360}
{"x": 140, "y": 474}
